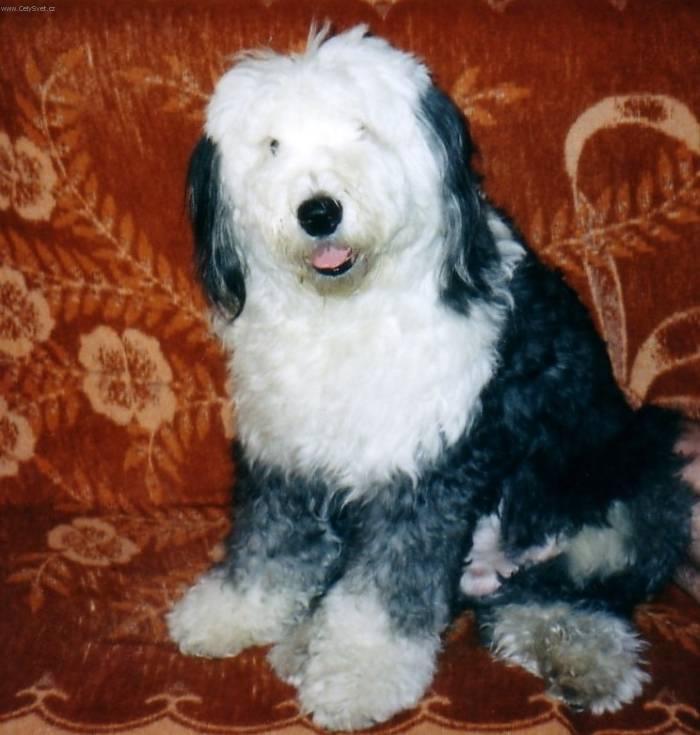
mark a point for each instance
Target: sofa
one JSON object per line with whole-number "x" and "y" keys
{"x": 115, "y": 420}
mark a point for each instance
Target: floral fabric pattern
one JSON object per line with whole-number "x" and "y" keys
{"x": 127, "y": 377}
{"x": 27, "y": 178}
{"x": 25, "y": 317}
{"x": 91, "y": 542}
{"x": 16, "y": 441}
{"x": 115, "y": 415}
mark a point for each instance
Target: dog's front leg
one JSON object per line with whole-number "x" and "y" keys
{"x": 360, "y": 668}
{"x": 281, "y": 551}
{"x": 371, "y": 646}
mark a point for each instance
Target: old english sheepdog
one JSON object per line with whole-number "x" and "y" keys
{"x": 427, "y": 419}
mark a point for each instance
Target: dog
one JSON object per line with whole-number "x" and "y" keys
{"x": 426, "y": 417}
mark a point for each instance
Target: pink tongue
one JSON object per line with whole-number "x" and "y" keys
{"x": 328, "y": 257}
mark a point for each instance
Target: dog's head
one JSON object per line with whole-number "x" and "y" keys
{"x": 332, "y": 169}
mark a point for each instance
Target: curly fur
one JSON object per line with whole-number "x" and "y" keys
{"x": 430, "y": 424}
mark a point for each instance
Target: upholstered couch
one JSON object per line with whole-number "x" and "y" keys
{"x": 114, "y": 417}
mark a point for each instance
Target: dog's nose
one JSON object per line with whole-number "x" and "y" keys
{"x": 320, "y": 216}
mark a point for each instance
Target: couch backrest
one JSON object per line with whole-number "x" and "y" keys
{"x": 113, "y": 394}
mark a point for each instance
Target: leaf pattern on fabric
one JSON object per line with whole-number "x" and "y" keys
{"x": 140, "y": 313}
{"x": 594, "y": 237}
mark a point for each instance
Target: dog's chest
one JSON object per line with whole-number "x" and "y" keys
{"x": 360, "y": 394}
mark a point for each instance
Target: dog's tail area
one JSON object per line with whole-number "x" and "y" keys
{"x": 635, "y": 547}
{"x": 688, "y": 447}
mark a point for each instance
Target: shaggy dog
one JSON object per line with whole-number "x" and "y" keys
{"x": 426, "y": 417}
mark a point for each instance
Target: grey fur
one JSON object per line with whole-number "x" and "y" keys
{"x": 590, "y": 659}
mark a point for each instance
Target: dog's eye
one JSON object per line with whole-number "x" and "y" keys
{"x": 363, "y": 131}
{"x": 274, "y": 146}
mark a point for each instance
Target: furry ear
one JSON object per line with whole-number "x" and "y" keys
{"x": 471, "y": 250}
{"x": 217, "y": 255}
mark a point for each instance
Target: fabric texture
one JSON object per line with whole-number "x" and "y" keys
{"x": 115, "y": 420}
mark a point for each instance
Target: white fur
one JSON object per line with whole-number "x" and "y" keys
{"x": 326, "y": 109}
{"x": 414, "y": 368}
{"x": 215, "y": 619}
{"x": 601, "y": 550}
{"x": 359, "y": 670}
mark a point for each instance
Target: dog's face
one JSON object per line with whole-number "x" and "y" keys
{"x": 321, "y": 170}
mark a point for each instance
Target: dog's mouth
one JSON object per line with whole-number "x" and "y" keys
{"x": 332, "y": 259}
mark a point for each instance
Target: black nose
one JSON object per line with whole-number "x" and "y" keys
{"x": 320, "y": 216}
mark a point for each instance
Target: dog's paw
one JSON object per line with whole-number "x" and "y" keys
{"x": 289, "y": 657}
{"x": 480, "y": 579}
{"x": 359, "y": 671}
{"x": 590, "y": 660}
{"x": 488, "y": 564}
{"x": 205, "y": 622}
{"x": 598, "y": 669}
{"x": 215, "y": 619}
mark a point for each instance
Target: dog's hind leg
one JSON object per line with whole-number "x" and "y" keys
{"x": 591, "y": 659}
{"x": 567, "y": 618}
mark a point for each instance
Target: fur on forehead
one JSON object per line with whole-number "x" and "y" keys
{"x": 352, "y": 72}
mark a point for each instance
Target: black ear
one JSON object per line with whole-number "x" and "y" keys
{"x": 217, "y": 255}
{"x": 470, "y": 247}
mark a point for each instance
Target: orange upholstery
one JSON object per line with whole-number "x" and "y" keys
{"x": 114, "y": 414}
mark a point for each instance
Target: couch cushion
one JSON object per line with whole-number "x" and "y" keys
{"x": 85, "y": 647}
